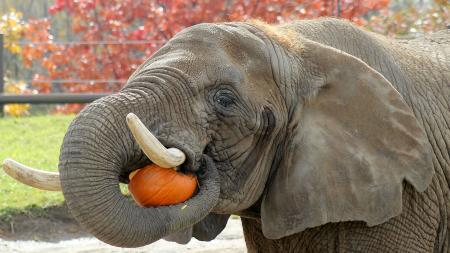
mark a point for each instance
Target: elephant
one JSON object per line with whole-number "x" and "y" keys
{"x": 321, "y": 135}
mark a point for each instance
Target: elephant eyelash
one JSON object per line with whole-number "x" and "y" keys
{"x": 223, "y": 100}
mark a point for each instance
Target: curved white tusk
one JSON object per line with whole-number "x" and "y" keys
{"x": 155, "y": 151}
{"x": 40, "y": 179}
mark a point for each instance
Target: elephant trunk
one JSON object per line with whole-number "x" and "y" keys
{"x": 97, "y": 149}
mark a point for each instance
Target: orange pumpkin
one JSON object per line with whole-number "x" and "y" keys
{"x": 156, "y": 186}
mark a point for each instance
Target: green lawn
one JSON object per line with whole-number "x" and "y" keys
{"x": 34, "y": 141}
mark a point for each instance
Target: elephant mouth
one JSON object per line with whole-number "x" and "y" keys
{"x": 152, "y": 147}
{"x": 153, "y": 151}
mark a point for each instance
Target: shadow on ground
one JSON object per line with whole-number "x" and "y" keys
{"x": 50, "y": 224}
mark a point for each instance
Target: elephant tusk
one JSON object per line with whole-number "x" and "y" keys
{"x": 40, "y": 179}
{"x": 150, "y": 145}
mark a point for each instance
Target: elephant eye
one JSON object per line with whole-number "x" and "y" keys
{"x": 224, "y": 98}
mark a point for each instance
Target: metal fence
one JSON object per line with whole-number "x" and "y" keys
{"x": 52, "y": 98}
{"x": 59, "y": 98}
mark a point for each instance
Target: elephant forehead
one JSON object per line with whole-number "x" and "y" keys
{"x": 218, "y": 63}
{"x": 200, "y": 67}
{"x": 210, "y": 54}
{"x": 215, "y": 39}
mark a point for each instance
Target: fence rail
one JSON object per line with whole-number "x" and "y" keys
{"x": 54, "y": 98}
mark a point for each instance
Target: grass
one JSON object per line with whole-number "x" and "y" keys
{"x": 34, "y": 141}
{"x": 6, "y": 214}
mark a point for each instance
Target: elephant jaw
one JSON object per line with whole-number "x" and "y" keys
{"x": 150, "y": 145}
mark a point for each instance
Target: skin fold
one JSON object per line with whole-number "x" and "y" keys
{"x": 323, "y": 137}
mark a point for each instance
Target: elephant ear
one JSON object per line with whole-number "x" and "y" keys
{"x": 206, "y": 230}
{"x": 350, "y": 147}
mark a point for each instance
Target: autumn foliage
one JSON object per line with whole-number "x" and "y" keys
{"x": 411, "y": 19}
{"x": 118, "y": 35}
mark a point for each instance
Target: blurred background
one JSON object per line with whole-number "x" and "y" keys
{"x": 92, "y": 46}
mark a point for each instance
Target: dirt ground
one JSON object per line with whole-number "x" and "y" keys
{"x": 50, "y": 225}
{"x": 56, "y": 231}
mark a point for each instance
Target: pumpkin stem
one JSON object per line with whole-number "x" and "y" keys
{"x": 133, "y": 173}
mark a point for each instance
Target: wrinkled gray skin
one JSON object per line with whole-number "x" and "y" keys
{"x": 326, "y": 137}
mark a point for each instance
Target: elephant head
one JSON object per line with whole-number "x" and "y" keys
{"x": 300, "y": 133}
